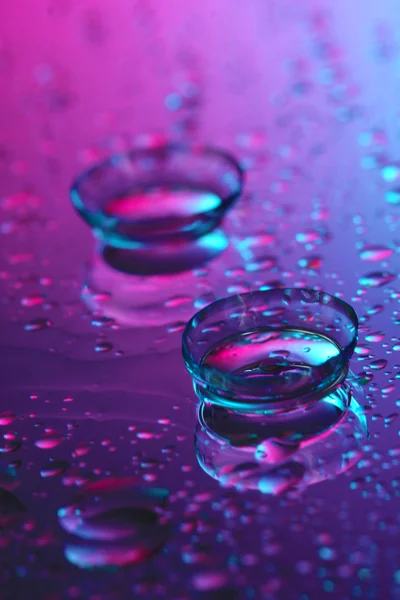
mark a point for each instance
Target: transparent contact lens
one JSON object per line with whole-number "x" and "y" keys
{"x": 270, "y": 350}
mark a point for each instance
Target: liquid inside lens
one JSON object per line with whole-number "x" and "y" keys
{"x": 162, "y": 210}
{"x": 286, "y": 359}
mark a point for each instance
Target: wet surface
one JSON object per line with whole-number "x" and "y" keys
{"x": 113, "y": 484}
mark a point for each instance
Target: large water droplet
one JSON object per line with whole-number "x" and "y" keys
{"x": 390, "y": 172}
{"x": 49, "y": 441}
{"x": 7, "y": 418}
{"x": 377, "y": 279}
{"x": 375, "y": 253}
{"x": 121, "y": 522}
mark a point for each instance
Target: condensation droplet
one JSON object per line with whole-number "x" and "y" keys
{"x": 377, "y": 279}
{"x": 38, "y": 324}
{"x": 375, "y": 253}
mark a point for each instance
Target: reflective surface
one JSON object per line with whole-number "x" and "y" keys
{"x": 305, "y": 94}
{"x": 274, "y": 454}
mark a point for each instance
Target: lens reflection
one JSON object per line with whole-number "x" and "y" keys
{"x": 275, "y": 453}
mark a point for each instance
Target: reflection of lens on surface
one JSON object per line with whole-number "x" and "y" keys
{"x": 295, "y": 427}
{"x": 150, "y": 286}
{"x": 139, "y": 301}
{"x": 273, "y": 350}
{"x": 166, "y": 258}
{"x": 273, "y": 454}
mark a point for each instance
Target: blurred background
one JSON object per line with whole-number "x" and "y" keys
{"x": 305, "y": 95}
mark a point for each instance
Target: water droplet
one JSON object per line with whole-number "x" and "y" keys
{"x": 310, "y": 262}
{"x": 391, "y": 419}
{"x": 204, "y": 300}
{"x": 209, "y": 581}
{"x": 32, "y": 300}
{"x": 38, "y": 324}
{"x": 102, "y": 321}
{"x": 236, "y": 272}
{"x": 393, "y": 196}
{"x": 378, "y": 364}
{"x": 390, "y": 173}
{"x": 377, "y": 279}
{"x": 50, "y": 441}
{"x": 377, "y": 336}
{"x": 82, "y": 449}
{"x": 7, "y": 418}
{"x": 262, "y": 264}
{"x": 388, "y": 389}
{"x": 375, "y": 310}
{"x": 176, "y": 327}
{"x": 312, "y": 236}
{"x": 176, "y": 301}
{"x": 56, "y": 467}
{"x": 103, "y": 347}
{"x": 375, "y": 253}
{"x": 8, "y": 446}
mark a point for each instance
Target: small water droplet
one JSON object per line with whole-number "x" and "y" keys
{"x": 176, "y": 301}
{"x": 102, "y": 321}
{"x": 38, "y": 324}
{"x": 390, "y": 419}
{"x": 261, "y": 264}
{"x": 204, "y": 300}
{"x": 210, "y": 581}
{"x": 56, "y": 467}
{"x": 310, "y": 262}
{"x": 103, "y": 347}
{"x": 176, "y": 327}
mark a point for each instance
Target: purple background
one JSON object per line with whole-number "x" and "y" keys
{"x": 307, "y": 99}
